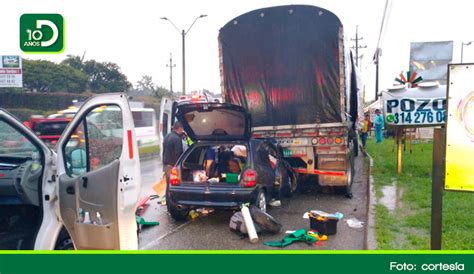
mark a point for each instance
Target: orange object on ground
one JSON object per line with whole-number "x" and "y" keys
{"x": 160, "y": 187}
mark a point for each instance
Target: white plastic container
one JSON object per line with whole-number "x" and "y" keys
{"x": 249, "y": 224}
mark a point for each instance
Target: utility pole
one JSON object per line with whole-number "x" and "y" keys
{"x": 171, "y": 66}
{"x": 357, "y": 47}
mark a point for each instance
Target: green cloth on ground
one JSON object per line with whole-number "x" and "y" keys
{"x": 142, "y": 221}
{"x": 298, "y": 235}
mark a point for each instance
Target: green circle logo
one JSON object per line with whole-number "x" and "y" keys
{"x": 390, "y": 118}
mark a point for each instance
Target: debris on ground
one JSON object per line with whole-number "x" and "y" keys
{"x": 264, "y": 220}
{"x": 141, "y": 207}
{"x": 298, "y": 236}
{"x": 354, "y": 223}
{"x": 249, "y": 224}
{"x": 160, "y": 187}
{"x": 275, "y": 203}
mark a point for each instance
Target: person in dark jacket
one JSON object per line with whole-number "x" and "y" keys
{"x": 172, "y": 148}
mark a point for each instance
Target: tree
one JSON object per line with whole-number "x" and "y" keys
{"x": 73, "y": 61}
{"x": 46, "y": 76}
{"x": 146, "y": 86}
{"x": 103, "y": 76}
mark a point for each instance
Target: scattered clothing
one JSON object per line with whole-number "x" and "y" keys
{"x": 297, "y": 236}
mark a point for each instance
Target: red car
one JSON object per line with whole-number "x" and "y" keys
{"x": 49, "y": 129}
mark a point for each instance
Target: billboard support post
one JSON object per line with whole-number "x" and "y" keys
{"x": 399, "y": 151}
{"x": 439, "y": 149}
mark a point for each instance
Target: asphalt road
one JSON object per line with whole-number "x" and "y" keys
{"x": 212, "y": 231}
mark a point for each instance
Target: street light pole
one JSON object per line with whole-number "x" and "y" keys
{"x": 184, "y": 61}
{"x": 183, "y": 35}
{"x": 462, "y": 48}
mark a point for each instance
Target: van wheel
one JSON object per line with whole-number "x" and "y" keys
{"x": 177, "y": 214}
{"x": 261, "y": 201}
{"x": 65, "y": 244}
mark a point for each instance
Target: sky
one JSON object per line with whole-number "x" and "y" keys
{"x": 131, "y": 34}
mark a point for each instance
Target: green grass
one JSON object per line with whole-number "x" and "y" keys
{"x": 149, "y": 150}
{"x": 409, "y": 225}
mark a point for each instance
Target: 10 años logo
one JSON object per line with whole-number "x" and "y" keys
{"x": 42, "y": 33}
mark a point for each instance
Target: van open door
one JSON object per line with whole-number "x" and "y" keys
{"x": 99, "y": 175}
{"x": 165, "y": 120}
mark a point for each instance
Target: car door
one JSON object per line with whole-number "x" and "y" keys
{"x": 166, "y": 121}
{"x": 99, "y": 175}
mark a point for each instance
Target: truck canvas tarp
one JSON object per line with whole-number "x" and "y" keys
{"x": 285, "y": 65}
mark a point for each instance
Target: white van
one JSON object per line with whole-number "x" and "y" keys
{"x": 144, "y": 119}
{"x": 86, "y": 191}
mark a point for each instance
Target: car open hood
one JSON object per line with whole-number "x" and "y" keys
{"x": 214, "y": 121}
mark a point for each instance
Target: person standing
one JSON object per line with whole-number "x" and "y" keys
{"x": 172, "y": 148}
{"x": 364, "y": 132}
{"x": 378, "y": 125}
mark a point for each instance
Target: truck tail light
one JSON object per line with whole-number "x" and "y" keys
{"x": 322, "y": 140}
{"x": 338, "y": 140}
{"x": 174, "y": 177}
{"x": 250, "y": 178}
{"x": 330, "y": 140}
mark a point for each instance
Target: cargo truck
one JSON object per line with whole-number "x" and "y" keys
{"x": 291, "y": 68}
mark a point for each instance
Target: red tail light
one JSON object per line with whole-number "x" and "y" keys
{"x": 322, "y": 141}
{"x": 330, "y": 140}
{"x": 174, "y": 177}
{"x": 250, "y": 178}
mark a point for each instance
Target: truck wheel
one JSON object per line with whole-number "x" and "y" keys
{"x": 356, "y": 146}
{"x": 350, "y": 180}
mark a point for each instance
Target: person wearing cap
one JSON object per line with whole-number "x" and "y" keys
{"x": 378, "y": 125}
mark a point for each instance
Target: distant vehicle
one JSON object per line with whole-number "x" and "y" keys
{"x": 197, "y": 97}
{"x": 291, "y": 69}
{"x": 242, "y": 169}
{"x": 81, "y": 196}
{"x": 146, "y": 126}
{"x": 49, "y": 130}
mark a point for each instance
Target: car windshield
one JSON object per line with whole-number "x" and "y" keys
{"x": 13, "y": 143}
{"x": 50, "y": 127}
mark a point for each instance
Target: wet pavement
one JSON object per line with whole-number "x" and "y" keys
{"x": 212, "y": 231}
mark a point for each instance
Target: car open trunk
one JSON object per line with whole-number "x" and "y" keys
{"x": 214, "y": 164}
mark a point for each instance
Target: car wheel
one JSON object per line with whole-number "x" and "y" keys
{"x": 261, "y": 201}
{"x": 177, "y": 214}
{"x": 286, "y": 186}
